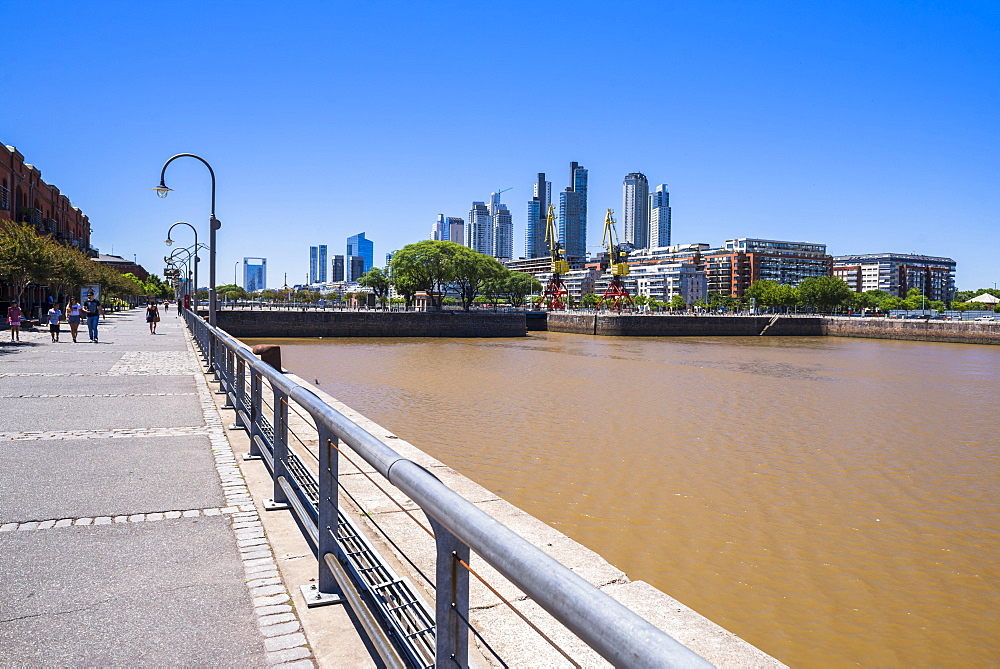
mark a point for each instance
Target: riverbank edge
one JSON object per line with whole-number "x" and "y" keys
{"x": 266, "y": 324}
{"x": 632, "y": 325}
{"x": 517, "y": 645}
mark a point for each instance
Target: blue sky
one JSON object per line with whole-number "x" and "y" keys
{"x": 867, "y": 126}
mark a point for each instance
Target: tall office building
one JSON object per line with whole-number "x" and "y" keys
{"x": 456, "y": 229}
{"x": 503, "y": 229}
{"x": 659, "y": 217}
{"x": 480, "y": 232}
{"x": 360, "y": 247}
{"x": 439, "y": 231}
{"x": 573, "y": 213}
{"x": 538, "y": 210}
{"x": 254, "y": 274}
{"x": 338, "y": 268}
{"x": 317, "y": 264}
{"x": 356, "y": 264}
{"x": 635, "y": 210}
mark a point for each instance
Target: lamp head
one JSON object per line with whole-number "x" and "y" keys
{"x": 162, "y": 190}
{"x": 168, "y": 241}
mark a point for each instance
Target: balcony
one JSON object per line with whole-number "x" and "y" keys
{"x": 29, "y": 215}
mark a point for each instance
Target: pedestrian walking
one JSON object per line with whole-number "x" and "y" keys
{"x": 166, "y": 306}
{"x": 54, "y": 316}
{"x": 14, "y": 321}
{"x": 93, "y": 311}
{"x": 73, "y": 313}
{"x": 152, "y": 316}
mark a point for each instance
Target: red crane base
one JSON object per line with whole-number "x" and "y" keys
{"x": 616, "y": 296}
{"x": 555, "y": 295}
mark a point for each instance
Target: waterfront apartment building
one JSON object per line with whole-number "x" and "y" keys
{"x": 664, "y": 281}
{"x": 659, "y": 217}
{"x": 542, "y": 265}
{"x": 480, "y": 232}
{"x": 24, "y": 197}
{"x": 897, "y": 273}
{"x": 359, "y": 247}
{"x": 731, "y": 269}
{"x": 538, "y": 211}
{"x": 635, "y": 210}
{"x": 573, "y": 212}
{"x": 317, "y": 264}
{"x": 254, "y": 274}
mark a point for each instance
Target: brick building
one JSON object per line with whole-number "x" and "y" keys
{"x": 24, "y": 197}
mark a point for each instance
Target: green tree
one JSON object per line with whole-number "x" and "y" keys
{"x": 641, "y": 301}
{"x": 677, "y": 303}
{"x": 425, "y": 265}
{"x": 24, "y": 256}
{"x": 589, "y": 300}
{"x": 470, "y": 271}
{"x": 378, "y": 282}
{"x": 824, "y": 292}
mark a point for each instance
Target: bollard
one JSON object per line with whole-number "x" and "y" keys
{"x": 269, "y": 353}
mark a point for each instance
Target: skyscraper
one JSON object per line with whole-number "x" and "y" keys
{"x": 456, "y": 229}
{"x": 538, "y": 209}
{"x": 338, "y": 268}
{"x": 659, "y": 217}
{"x": 480, "y": 232}
{"x": 573, "y": 213}
{"x": 635, "y": 209}
{"x": 503, "y": 229}
{"x": 357, "y": 267}
{"x": 317, "y": 264}
{"x": 254, "y": 274}
{"x": 360, "y": 247}
{"x": 439, "y": 231}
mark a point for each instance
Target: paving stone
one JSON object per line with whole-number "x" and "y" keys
{"x": 83, "y": 521}
{"x": 27, "y": 526}
{"x": 65, "y": 522}
{"x": 302, "y": 664}
{"x": 257, "y": 582}
{"x": 172, "y": 514}
{"x": 8, "y": 527}
{"x": 102, "y": 520}
{"x": 262, "y": 590}
{"x": 280, "y": 628}
{"x": 272, "y": 609}
{"x": 154, "y": 516}
{"x": 273, "y": 573}
{"x": 286, "y": 641}
{"x": 192, "y": 513}
{"x": 268, "y": 601}
{"x": 289, "y": 655}
{"x": 275, "y": 619}
{"x": 50, "y": 523}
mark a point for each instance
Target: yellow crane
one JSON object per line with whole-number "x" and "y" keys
{"x": 555, "y": 294}
{"x": 616, "y": 294}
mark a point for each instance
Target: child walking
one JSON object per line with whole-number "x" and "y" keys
{"x": 55, "y": 313}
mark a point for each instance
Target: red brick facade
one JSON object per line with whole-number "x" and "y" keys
{"x": 25, "y": 197}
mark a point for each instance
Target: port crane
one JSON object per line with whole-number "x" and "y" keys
{"x": 555, "y": 294}
{"x": 616, "y": 294}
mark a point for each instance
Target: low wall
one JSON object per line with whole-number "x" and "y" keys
{"x": 958, "y": 332}
{"x": 264, "y": 324}
{"x": 682, "y": 326}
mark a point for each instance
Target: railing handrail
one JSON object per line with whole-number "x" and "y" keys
{"x": 614, "y": 631}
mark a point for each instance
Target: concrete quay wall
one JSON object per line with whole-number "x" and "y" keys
{"x": 958, "y": 332}
{"x": 614, "y": 325}
{"x": 262, "y": 324}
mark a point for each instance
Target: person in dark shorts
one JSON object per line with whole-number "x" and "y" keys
{"x": 92, "y": 310}
{"x": 152, "y": 316}
{"x": 73, "y": 313}
{"x": 54, "y": 315}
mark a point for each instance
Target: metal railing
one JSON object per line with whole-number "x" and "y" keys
{"x": 441, "y": 638}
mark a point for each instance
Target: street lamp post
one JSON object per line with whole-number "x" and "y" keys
{"x": 213, "y": 225}
{"x": 188, "y": 260}
{"x": 169, "y": 241}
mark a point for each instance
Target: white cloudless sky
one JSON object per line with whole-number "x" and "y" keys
{"x": 866, "y": 126}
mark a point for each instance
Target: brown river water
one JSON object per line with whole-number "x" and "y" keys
{"x": 832, "y": 501}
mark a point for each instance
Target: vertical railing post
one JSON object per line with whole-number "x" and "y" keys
{"x": 240, "y": 393}
{"x": 256, "y": 432}
{"x": 451, "y": 606}
{"x": 325, "y": 590}
{"x": 280, "y": 450}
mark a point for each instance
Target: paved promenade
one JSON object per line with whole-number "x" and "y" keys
{"x": 127, "y": 534}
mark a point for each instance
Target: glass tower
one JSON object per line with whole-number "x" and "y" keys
{"x": 360, "y": 247}
{"x": 635, "y": 210}
{"x": 254, "y": 274}
{"x": 659, "y": 217}
{"x": 538, "y": 209}
{"x": 573, "y": 213}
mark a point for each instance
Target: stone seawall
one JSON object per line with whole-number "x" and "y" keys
{"x": 682, "y": 326}
{"x": 914, "y": 330}
{"x": 260, "y": 324}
